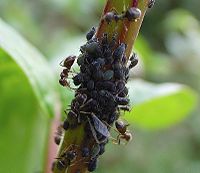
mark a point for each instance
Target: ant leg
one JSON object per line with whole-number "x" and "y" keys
{"x": 85, "y": 104}
{"x": 77, "y": 162}
{"x": 111, "y": 127}
{"x": 61, "y": 63}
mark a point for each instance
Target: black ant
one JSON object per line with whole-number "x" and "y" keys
{"x": 67, "y": 157}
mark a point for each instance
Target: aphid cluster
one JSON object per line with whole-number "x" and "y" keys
{"x": 100, "y": 96}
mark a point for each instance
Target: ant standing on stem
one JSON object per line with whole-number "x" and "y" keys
{"x": 67, "y": 64}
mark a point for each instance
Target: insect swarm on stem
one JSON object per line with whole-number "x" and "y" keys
{"x": 101, "y": 94}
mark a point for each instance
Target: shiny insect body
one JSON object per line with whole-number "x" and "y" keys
{"x": 67, "y": 64}
{"x": 96, "y": 125}
{"x": 123, "y": 131}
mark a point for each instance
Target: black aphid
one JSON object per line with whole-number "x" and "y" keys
{"x": 92, "y": 165}
{"x": 85, "y": 152}
{"x": 91, "y": 33}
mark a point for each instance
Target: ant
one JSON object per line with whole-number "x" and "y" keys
{"x": 132, "y": 14}
{"x": 123, "y": 132}
{"x": 67, "y": 64}
{"x": 67, "y": 156}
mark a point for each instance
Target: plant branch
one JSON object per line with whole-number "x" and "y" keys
{"x": 126, "y": 32}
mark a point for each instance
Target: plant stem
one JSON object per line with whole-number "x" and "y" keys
{"x": 127, "y": 32}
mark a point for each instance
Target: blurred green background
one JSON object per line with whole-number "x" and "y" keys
{"x": 165, "y": 117}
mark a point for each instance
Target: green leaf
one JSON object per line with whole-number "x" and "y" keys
{"x": 159, "y": 106}
{"x": 37, "y": 70}
{"x": 23, "y": 127}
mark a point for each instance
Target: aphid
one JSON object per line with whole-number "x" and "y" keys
{"x": 90, "y": 85}
{"x": 58, "y": 135}
{"x": 68, "y": 62}
{"x": 133, "y": 14}
{"x": 123, "y": 132}
{"x": 84, "y": 68}
{"x": 95, "y": 151}
{"x": 57, "y": 140}
{"x": 120, "y": 86}
{"x": 61, "y": 165}
{"x": 124, "y": 92}
{"x": 122, "y": 100}
{"x": 106, "y": 85}
{"x": 98, "y": 124}
{"x": 104, "y": 40}
{"x": 124, "y": 107}
{"x": 108, "y": 75}
{"x": 151, "y": 3}
{"x": 102, "y": 148}
{"x": 85, "y": 152}
{"x": 92, "y": 48}
{"x": 66, "y": 125}
{"x": 78, "y": 79}
{"x": 96, "y": 65}
{"x": 92, "y": 165}
{"x": 134, "y": 61}
{"x": 91, "y": 33}
{"x": 80, "y": 60}
{"x": 119, "y": 52}
{"x": 110, "y": 16}
{"x": 81, "y": 98}
{"x": 97, "y": 75}
{"x": 119, "y": 74}
{"x": 89, "y": 57}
